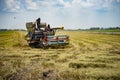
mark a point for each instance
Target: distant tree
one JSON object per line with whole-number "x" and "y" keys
{"x": 101, "y": 28}
{"x": 3, "y": 29}
{"x": 113, "y": 27}
{"x": 94, "y": 28}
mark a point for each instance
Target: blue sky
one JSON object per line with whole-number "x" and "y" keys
{"x": 72, "y": 14}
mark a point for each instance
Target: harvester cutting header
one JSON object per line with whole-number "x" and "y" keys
{"x": 41, "y": 34}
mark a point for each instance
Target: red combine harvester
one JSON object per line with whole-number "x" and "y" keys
{"x": 42, "y": 35}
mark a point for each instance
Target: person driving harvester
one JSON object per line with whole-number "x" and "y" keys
{"x": 38, "y": 23}
{"x": 47, "y": 28}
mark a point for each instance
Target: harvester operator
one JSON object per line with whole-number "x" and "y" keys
{"x": 47, "y": 28}
{"x": 38, "y": 23}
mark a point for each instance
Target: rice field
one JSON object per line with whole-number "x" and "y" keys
{"x": 89, "y": 56}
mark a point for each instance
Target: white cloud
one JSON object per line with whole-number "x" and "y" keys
{"x": 12, "y": 5}
{"x": 65, "y": 4}
{"x": 30, "y": 5}
{"x": 15, "y": 5}
{"x": 94, "y": 4}
{"x": 52, "y": 3}
{"x": 82, "y": 3}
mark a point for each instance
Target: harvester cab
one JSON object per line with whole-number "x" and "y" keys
{"x": 39, "y": 34}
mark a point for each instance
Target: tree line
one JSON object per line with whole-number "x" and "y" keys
{"x": 101, "y": 28}
{"x": 12, "y": 30}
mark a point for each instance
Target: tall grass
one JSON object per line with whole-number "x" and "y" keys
{"x": 12, "y": 39}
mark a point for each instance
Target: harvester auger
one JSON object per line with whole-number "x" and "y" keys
{"x": 42, "y": 35}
